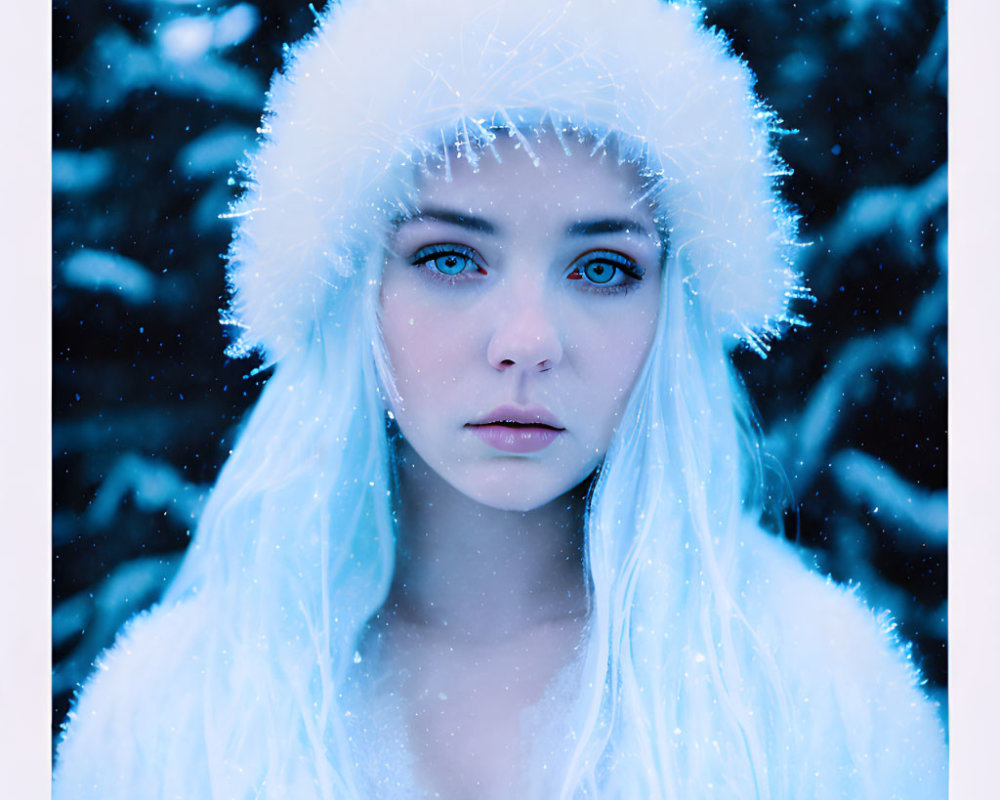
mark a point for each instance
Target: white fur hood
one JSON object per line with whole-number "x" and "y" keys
{"x": 382, "y": 83}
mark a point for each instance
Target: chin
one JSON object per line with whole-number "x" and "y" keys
{"x": 523, "y": 493}
{"x": 508, "y": 496}
{"x": 514, "y": 502}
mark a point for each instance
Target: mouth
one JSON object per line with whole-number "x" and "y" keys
{"x": 513, "y": 429}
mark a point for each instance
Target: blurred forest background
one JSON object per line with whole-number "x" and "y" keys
{"x": 155, "y": 102}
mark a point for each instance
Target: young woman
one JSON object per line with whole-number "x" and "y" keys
{"x": 492, "y": 529}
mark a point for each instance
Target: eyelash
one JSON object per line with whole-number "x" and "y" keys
{"x": 425, "y": 256}
{"x": 621, "y": 264}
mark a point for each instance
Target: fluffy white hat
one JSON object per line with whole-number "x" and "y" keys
{"x": 381, "y": 83}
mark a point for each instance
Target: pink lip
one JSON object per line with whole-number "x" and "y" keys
{"x": 514, "y": 429}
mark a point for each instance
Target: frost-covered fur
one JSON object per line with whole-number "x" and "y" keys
{"x": 861, "y": 728}
{"x": 381, "y": 82}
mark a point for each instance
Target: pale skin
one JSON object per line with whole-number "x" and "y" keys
{"x": 517, "y": 308}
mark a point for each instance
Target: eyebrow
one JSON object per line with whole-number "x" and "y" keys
{"x": 479, "y": 224}
{"x": 466, "y": 221}
{"x": 610, "y": 225}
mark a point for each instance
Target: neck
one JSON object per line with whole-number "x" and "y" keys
{"x": 480, "y": 574}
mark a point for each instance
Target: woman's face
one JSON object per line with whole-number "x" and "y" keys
{"x": 518, "y": 307}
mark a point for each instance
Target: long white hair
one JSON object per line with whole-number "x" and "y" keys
{"x": 296, "y": 546}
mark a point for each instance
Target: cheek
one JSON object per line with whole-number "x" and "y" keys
{"x": 614, "y": 353}
{"x": 610, "y": 362}
{"x": 422, "y": 349}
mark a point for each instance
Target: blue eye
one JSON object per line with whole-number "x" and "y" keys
{"x": 599, "y": 271}
{"x": 606, "y": 269}
{"x": 448, "y": 259}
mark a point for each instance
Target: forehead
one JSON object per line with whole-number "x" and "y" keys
{"x": 564, "y": 180}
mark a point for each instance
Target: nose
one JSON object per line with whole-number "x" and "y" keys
{"x": 526, "y": 337}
